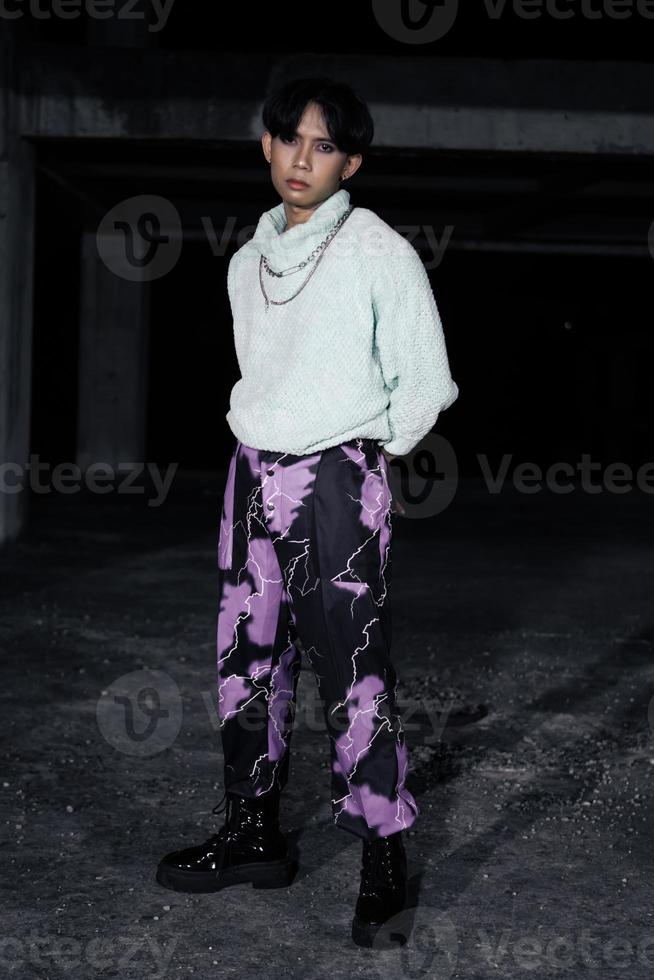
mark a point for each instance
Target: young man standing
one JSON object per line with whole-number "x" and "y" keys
{"x": 343, "y": 366}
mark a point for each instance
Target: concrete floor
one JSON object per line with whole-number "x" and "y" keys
{"x": 533, "y": 854}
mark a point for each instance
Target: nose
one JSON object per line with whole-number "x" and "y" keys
{"x": 300, "y": 160}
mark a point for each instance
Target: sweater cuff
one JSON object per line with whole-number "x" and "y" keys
{"x": 400, "y": 446}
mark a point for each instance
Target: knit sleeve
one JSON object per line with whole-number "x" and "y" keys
{"x": 231, "y": 269}
{"x": 231, "y": 287}
{"x": 411, "y": 349}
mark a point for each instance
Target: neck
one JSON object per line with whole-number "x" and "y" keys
{"x": 297, "y": 216}
{"x": 285, "y": 246}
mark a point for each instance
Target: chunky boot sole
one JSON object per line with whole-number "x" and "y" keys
{"x": 386, "y": 935}
{"x": 262, "y": 874}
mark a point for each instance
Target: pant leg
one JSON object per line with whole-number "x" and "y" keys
{"x": 330, "y": 520}
{"x": 258, "y": 662}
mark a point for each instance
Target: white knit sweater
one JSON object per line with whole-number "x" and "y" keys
{"x": 359, "y": 352}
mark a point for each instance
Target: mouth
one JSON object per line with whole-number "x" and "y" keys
{"x": 296, "y": 183}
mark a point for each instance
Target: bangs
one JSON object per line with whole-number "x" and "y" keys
{"x": 347, "y": 117}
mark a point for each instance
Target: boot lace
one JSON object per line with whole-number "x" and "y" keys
{"x": 220, "y": 806}
{"x": 224, "y": 805}
{"x": 371, "y": 872}
{"x": 230, "y": 804}
{"x": 378, "y": 868}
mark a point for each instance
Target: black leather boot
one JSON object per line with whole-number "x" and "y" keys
{"x": 250, "y": 847}
{"x": 382, "y": 894}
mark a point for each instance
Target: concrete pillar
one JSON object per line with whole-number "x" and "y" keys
{"x": 16, "y": 307}
{"x": 113, "y": 355}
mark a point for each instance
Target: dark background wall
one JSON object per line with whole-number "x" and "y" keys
{"x": 552, "y": 352}
{"x": 543, "y": 288}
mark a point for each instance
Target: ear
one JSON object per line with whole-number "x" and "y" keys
{"x": 354, "y": 162}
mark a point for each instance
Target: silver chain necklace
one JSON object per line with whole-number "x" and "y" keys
{"x": 319, "y": 250}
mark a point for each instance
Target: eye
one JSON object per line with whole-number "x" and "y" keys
{"x": 290, "y": 139}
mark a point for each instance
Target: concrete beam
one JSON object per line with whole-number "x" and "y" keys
{"x": 538, "y": 106}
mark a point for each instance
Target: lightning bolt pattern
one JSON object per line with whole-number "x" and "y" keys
{"x": 304, "y": 551}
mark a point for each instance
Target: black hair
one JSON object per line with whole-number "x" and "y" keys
{"x": 347, "y": 117}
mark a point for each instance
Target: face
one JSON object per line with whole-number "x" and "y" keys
{"x": 310, "y": 156}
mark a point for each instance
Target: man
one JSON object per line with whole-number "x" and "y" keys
{"x": 343, "y": 366}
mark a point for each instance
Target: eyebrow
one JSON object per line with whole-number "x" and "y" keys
{"x": 322, "y": 139}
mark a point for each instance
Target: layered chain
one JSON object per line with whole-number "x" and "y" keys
{"x": 318, "y": 251}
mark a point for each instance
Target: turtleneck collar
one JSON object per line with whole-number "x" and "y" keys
{"x": 287, "y": 248}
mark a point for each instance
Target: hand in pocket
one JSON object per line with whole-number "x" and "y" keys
{"x": 396, "y": 505}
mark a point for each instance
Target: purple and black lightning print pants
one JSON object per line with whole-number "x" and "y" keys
{"x": 304, "y": 550}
